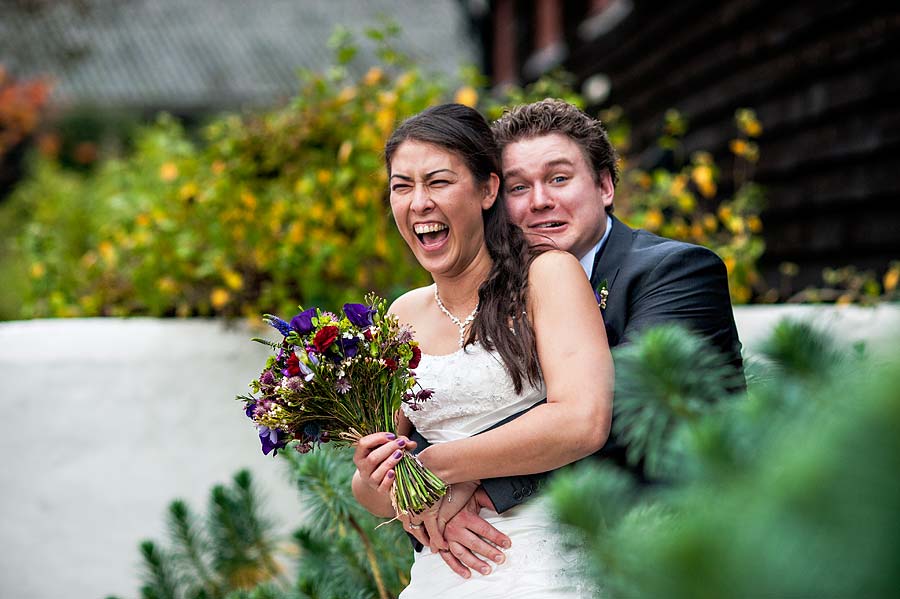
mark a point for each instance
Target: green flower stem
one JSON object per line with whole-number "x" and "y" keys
{"x": 415, "y": 488}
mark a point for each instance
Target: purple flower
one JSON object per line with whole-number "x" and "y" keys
{"x": 302, "y": 323}
{"x": 276, "y": 323}
{"x": 405, "y": 335}
{"x": 294, "y": 383}
{"x": 342, "y": 385}
{"x": 359, "y": 314}
{"x": 349, "y": 346}
{"x": 267, "y": 378}
{"x": 249, "y": 409}
{"x": 271, "y": 440}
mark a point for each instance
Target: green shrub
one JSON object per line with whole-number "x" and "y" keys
{"x": 787, "y": 492}
{"x": 286, "y": 206}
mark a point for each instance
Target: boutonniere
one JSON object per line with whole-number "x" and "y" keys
{"x": 601, "y": 293}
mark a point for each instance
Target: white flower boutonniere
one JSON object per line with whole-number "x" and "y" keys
{"x": 601, "y": 293}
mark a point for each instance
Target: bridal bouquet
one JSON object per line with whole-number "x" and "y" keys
{"x": 338, "y": 378}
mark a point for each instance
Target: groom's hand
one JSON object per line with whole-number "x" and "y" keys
{"x": 469, "y": 535}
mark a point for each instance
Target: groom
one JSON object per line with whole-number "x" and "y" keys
{"x": 560, "y": 172}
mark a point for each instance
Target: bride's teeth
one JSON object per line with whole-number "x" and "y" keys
{"x": 547, "y": 225}
{"x": 432, "y": 228}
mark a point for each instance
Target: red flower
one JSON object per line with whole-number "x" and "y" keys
{"x": 293, "y": 365}
{"x": 368, "y": 334}
{"x": 417, "y": 355}
{"x": 390, "y": 364}
{"x": 325, "y": 338}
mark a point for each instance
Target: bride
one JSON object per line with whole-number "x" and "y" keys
{"x": 502, "y": 327}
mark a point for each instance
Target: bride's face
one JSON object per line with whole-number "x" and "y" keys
{"x": 437, "y": 205}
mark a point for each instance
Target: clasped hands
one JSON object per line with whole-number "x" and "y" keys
{"x": 452, "y": 527}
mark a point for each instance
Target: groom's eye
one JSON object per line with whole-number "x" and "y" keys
{"x": 515, "y": 188}
{"x": 559, "y": 179}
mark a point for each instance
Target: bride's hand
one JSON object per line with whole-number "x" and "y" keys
{"x": 375, "y": 457}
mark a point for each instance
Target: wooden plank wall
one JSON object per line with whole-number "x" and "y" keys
{"x": 823, "y": 78}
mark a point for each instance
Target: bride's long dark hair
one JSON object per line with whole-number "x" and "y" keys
{"x": 501, "y": 322}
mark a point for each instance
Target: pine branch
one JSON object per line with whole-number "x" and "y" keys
{"x": 160, "y": 581}
{"x": 191, "y": 549}
{"x": 801, "y": 350}
{"x": 665, "y": 378}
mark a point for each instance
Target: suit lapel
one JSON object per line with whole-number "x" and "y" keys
{"x": 609, "y": 259}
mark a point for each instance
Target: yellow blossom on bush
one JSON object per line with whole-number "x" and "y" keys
{"x": 385, "y": 119}
{"x": 38, "y": 270}
{"x": 891, "y": 278}
{"x": 738, "y": 147}
{"x": 702, "y": 176}
{"x": 347, "y": 94}
{"x": 188, "y": 191}
{"x": 323, "y": 176}
{"x": 653, "y": 220}
{"x": 748, "y": 123}
{"x": 168, "y": 171}
{"x": 167, "y": 285}
{"x": 232, "y": 279}
{"x": 219, "y": 298}
{"x": 344, "y": 151}
{"x": 248, "y": 200}
{"x": 466, "y": 95}
{"x": 754, "y": 224}
{"x": 686, "y": 203}
{"x": 107, "y": 252}
{"x": 373, "y": 76}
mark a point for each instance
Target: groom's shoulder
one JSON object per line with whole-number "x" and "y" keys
{"x": 651, "y": 248}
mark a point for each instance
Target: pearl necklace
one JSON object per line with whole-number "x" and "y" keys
{"x": 461, "y": 324}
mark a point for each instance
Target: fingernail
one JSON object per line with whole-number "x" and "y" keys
{"x": 391, "y": 436}
{"x": 486, "y": 570}
{"x": 401, "y": 443}
{"x": 506, "y": 544}
{"x": 499, "y": 558}
{"x": 467, "y": 575}
{"x": 397, "y": 454}
{"x": 390, "y": 474}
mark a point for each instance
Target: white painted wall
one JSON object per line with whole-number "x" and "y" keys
{"x": 105, "y": 421}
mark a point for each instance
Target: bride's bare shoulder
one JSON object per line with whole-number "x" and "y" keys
{"x": 411, "y": 303}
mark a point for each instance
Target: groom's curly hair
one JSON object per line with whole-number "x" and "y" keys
{"x": 500, "y": 323}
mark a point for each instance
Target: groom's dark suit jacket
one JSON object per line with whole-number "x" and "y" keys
{"x": 651, "y": 280}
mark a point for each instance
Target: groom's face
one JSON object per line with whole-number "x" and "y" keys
{"x": 552, "y": 194}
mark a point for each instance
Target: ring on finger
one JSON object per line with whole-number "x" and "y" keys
{"x": 411, "y": 525}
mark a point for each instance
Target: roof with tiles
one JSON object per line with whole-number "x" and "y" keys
{"x": 203, "y": 54}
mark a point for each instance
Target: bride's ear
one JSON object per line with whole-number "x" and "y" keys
{"x": 491, "y": 189}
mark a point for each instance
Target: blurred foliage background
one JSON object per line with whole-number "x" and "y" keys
{"x": 259, "y": 212}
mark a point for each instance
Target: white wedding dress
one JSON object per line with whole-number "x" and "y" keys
{"x": 473, "y": 391}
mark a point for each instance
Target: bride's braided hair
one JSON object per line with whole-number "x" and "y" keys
{"x": 501, "y": 322}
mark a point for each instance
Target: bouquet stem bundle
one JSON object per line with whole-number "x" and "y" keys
{"x": 340, "y": 378}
